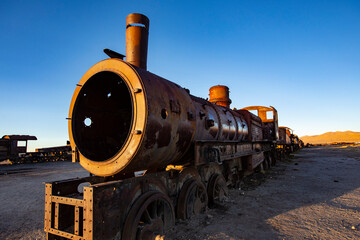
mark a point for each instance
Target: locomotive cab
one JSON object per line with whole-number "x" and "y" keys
{"x": 269, "y": 118}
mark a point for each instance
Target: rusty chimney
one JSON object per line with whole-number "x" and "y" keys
{"x": 137, "y": 34}
{"x": 219, "y": 95}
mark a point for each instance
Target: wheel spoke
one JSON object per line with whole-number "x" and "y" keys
{"x": 154, "y": 209}
{"x": 198, "y": 192}
{"x": 160, "y": 209}
{"x": 147, "y": 217}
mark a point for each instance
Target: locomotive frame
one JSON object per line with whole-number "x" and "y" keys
{"x": 141, "y": 188}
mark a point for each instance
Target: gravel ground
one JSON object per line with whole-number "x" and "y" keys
{"x": 315, "y": 195}
{"x": 22, "y": 195}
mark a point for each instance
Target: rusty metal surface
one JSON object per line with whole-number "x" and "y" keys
{"x": 217, "y": 190}
{"x": 219, "y": 95}
{"x": 118, "y": 121}
{"x": 113, "y": 54}
{"x": 254, "y": 125}
{"x": 156, "y": 134}
{"x": 152, "y": 135}
{"x": 137, "y": 34}
{"x": 102, "y": 203}
{"x": 255, "y": 160}
{"x": 193, "y": 199}
{"x": 218, "y": 123}
{"x": 66, "y": 148}
{"x": 270, "y": 125}
{"x": 284, "y": 136}
{"x": 19, "y": 137}
{"x": 9, "y": 145}
{"x": 150, "y": 216}
{"x": 127, "y": 126}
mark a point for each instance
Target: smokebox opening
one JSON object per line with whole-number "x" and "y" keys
{"x": 102, "y": 116}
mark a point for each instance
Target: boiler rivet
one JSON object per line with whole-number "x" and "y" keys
{"x": 136, "y": 132}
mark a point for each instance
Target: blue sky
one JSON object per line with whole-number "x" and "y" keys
{"x": 302, "y": 57}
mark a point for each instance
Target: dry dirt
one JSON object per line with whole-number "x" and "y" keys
{"x": 22, "y": 195}
{"x": 315, "y": 195}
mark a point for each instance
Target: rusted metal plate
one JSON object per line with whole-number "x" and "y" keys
{"x": 255, "y": 160}
{"x": 284, "y": 135}
{"x": 270, "y": 125}
{"x": 150, "y": 216}
{"x": 48, "y": 202}
{"x": 19, "y": 137}
{"x": 137, "y": 34}
{"x": 193, "y": 199}
{"x": 10, "y": 147}
{"x": 88, "y": 221}
{"x": 219, "y": 95}
{"x": 67, "y": 200}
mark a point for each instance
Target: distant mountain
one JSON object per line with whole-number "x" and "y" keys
{"x": 330, "y": 137}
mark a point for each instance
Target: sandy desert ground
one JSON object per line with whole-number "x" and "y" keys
{"x": 314, "y": 195}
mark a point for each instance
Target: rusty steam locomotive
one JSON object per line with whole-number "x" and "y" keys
{"x": 154, "y": 151}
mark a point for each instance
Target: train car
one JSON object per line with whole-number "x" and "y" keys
{"x": 14, "y": 149}
{"x": 13, "y": 146}
{"x": 52, "y": 154}
{"x": 154, "y": 151}
{"x": 288, "y": 142}
{"x": 284, "y": 146}
{"x": 296, "y": 142}
{"x": 270, "y": 128}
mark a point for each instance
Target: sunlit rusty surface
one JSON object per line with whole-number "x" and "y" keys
{"x": 219, "y": 95}
{"x": 270, "y": 125}
{"x": 137, "y": 34}
{"x": 10, "y": 147}
{"x": 155, "y": 149}
{"x": 285, "y": 135}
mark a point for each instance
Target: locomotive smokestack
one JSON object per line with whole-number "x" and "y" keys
{"x": 219, "y": 95}
{"x": 137, "y": 34}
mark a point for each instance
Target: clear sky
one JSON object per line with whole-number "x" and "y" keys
{"x": 302, "y": 57}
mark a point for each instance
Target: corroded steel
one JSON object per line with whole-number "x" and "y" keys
{"x": 270, "y": 123}
{"x": 113, "y": 127}
{"x": 285, "y": 135}
{"x": 124, "y": 130}
{"x": 10, "y": 147}
{"x": 218, "y": 123}
{"x": 193, "y": 199}
{"x": 19, "y": 137}
{"x": 137, "y": 34}
{"x": 254, "y": 125}
{"x": 105, "y": 205}
{"x": 262, "y": 112}
{"x": 219, "y": 95}
{"x": 150, "y": 216}
{"x": 126, "y": 133}
{"x": 153, "y": 147}
{"x": 217, "y": 190}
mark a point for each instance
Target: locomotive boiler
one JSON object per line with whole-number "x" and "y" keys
{"x": 124, "y": 119}
{"x": 154, "y": 151}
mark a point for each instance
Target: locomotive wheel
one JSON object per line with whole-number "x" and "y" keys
{"x": 149, "y": 217}
{"x": 217, "y": 190}
{"x": 186, "y": 174}
{"x": 193, "y": 199}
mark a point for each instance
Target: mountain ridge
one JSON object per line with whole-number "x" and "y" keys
{"x": 330, "y": 137}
